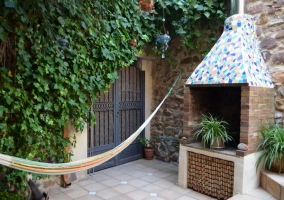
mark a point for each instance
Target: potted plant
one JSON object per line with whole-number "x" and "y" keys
{"x": 273, "y": 148}
{"x": 148, "y": 145}
{"x": 213, "y": 132}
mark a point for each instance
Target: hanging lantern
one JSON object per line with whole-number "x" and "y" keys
{"x": 146, "y": 5}
{"x": 163, "y": 40}
{"x": 63, "y": 42}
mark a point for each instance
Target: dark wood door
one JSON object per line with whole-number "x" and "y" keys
{"x": 119, "y": 113}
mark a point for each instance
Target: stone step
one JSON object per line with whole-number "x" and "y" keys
{"x": 273, "y": 183}
{"x": 255, "y": 194}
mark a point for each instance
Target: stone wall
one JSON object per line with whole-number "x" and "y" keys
{"x": 169, "y": 119}
{"x": 270, "y": 31}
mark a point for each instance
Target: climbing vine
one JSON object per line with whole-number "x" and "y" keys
{"x": 44, "y": 85}
{"x": 55, "y": 58}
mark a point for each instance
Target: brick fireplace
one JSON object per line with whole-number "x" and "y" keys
{"x": 245, "y": 109}
{"x": 233, "y": 83}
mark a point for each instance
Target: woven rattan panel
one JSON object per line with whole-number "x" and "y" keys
{"x": 210, "y": 176}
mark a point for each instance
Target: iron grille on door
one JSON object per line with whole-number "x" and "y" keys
{"x": 119, "y": 113}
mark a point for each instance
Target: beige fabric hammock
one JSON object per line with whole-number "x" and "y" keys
{"x": 83, "y": 164}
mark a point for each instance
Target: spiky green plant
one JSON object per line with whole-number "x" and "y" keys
{"x": 272, "y": 146}
{"x": 210, "y": 128}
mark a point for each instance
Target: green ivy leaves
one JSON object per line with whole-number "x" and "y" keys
{"x": 44, "y": 85}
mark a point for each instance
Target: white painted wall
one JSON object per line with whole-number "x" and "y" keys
{"x": 80, "y": 151}
{"x": 147, "y": 67}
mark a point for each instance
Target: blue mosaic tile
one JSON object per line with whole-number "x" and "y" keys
{"x": 235, "y": 58}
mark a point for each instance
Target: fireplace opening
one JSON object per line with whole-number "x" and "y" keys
{"x": 221, "y": 102}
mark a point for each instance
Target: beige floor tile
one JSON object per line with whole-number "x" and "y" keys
{"x": 124, "y": 188}
{"x": 259, "y": 193}
{"x": 149, "y": 170}
{"x": 172, "y": 178}
{"x": 124, "y": 177}
{"x": 162, "y": 166}
{"x": 71, "y": 187}
{"x": 110, "y": 182}
{"x": 171, "y": 170}
{"x": 89, "y": 197}
{"x": 138, "y": 183}
{"x": 111, "y": 172}
{"x": 53, "y": 191}
{"x": 121, "y": 197}
{"x": 60, "y": 196}
{"x": 169, "y": 194}
{"x": 243, "y": 197}
{"x": 185, "y": 198}
{"x": 125, "y": 169}
{"x": 86, "y": 182}
{"x": 95, "y": 187}
{"x": 138, "y": 166}
{"x": 150, "y": 162}
{"x": 76, "y": 193}
{"x": 136, "y": 173}
{"x": 152, "y": 188}
{"x": 138, "y": 195}
{"x": 164, "y": 184}
{"x": 153, "y": 198}
{"x": 99, "y": 177}
{"x": 108, "y": 193}
{"x": 180, "y": 190}
{"x": 198, "y": 195}
{"x": 150, "y": 179}
{"x": 162, "y": 174}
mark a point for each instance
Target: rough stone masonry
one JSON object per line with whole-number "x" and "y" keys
{"x": 270, "y": 32}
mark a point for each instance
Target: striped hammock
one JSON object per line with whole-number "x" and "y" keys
{"x": 83, "y": 164}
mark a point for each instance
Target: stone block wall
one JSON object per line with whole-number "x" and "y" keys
{"x": 169, "y": 119}
{"x": 269, "y": 16}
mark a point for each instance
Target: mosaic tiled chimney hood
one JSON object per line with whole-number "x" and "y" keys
{"x": 235, "y": 58}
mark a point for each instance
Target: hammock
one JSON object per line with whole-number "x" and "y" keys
{"x": 75, "y": 166}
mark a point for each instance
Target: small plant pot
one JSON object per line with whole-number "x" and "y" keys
{"x": 275, "y": 167}
{"x": 149, "y": 153}
{"x": 218, "y": 143}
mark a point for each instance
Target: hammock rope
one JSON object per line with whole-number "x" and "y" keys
{"x": 83, "y": 164}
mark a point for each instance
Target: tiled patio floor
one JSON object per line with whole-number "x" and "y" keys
{"x": 138, "y": 180}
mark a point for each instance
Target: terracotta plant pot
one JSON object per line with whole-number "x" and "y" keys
{"x": 218, "y": 143}
{"x": 146, "y": 5}
{"x": 149, "y": 153}
{"x": 275, "y": 167}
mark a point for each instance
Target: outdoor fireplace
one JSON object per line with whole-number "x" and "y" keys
{"x": 233, "y": 83}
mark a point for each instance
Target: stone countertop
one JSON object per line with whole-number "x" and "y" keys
{"x": 226, "y": 150}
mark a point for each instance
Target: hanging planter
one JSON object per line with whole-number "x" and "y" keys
{"x": 146, "y": 5}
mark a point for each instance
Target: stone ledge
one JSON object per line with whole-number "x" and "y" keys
{"x": 273, "y": 183}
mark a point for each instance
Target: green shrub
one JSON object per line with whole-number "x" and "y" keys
{"x": 5, "y": 195}
{"x": 272, "y": 146}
